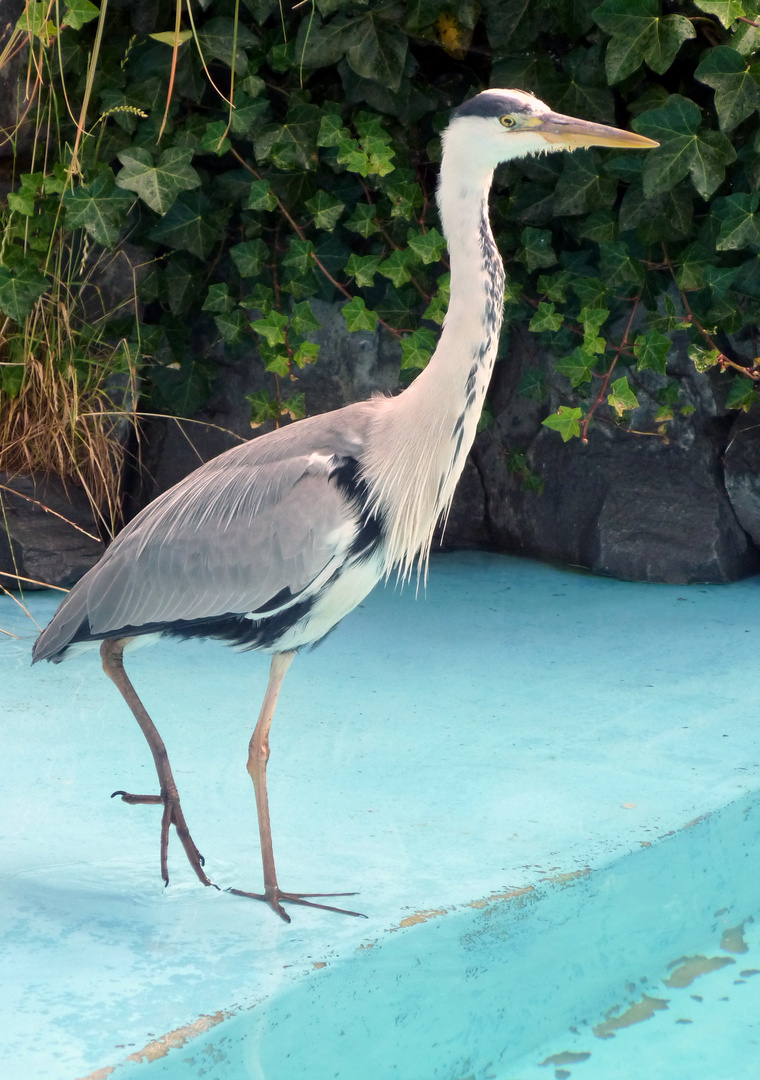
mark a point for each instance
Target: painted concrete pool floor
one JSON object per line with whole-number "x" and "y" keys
{"x": 514, "y": 728}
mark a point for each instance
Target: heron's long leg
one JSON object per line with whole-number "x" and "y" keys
{"x": 112, "y": 655}
{"x": 258, "y": 756}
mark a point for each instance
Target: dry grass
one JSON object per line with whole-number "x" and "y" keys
{"x": 71, "y": 413}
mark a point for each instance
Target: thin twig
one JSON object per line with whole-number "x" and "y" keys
{"x": 47, "y": 509}
{"x": 606, "y": 380}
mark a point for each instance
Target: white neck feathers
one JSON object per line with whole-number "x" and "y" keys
{"x": 422, "y": 437}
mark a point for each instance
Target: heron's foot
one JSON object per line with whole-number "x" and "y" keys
{"x": 276, "y": 897}
{"x": 172, "y": 815}
{"x": 133, "y": 800}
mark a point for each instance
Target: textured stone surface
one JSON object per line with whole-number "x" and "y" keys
{"x": 638, "y": 507}
{"x": 742, "y": 467}
{"x": 635, "y": 506}
{"x": 47, "y": 547}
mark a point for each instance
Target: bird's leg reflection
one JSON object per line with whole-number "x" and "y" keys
{"x": 111, "y": 652}
{"x": 258, "y": 756}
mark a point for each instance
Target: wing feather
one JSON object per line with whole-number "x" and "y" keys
{"x": 256, "y": 521}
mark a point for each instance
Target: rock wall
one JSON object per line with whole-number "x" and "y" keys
{"x": 680, "y": 508}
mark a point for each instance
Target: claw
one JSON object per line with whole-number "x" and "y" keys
{"x": 274, "y": 897}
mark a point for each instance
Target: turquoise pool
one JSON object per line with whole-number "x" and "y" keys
{"x": 508, "y": 770}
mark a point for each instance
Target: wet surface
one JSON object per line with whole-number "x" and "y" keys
{"x": 463, "y": 760}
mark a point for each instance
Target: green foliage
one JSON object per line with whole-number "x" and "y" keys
{"x": 318, "y": 180}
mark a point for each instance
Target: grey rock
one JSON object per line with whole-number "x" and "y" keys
{"x": 43, "y": 534}
{"x": 742, "y": 468}
{"x": 637, "y": 507}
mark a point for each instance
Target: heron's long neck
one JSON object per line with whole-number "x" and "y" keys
{"x": 428, "y": 430}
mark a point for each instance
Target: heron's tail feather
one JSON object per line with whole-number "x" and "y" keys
{"x": 52, "y": 642}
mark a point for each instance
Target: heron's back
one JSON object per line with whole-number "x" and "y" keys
{"x": 267, "y": 546}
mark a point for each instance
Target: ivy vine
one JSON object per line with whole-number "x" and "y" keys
{"x": 260, "y": 156}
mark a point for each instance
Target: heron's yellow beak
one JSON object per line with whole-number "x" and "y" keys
{"x": 570, "y": 132}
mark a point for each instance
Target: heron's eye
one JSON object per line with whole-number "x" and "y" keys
{"x": 507, "y": 121}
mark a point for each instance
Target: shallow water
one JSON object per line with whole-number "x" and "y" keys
{"x": 519, "y": 723}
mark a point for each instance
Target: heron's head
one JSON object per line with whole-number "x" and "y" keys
{"x": 499, "y": 125}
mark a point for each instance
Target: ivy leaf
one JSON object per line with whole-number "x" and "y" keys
{"x": 250, "y": 257}
{"x": 533, "y": 385}
{"x": 583, "y": 185}
{"x": 263, "y": 408}
{"x": 168, "y": 37}
{"x": 182, "y": 285}
{"x": 622, "y": 399}
{"x": 260, "y": 299}
{"x": 377, "y": 50}
{"x": 600, "y": 225}
{"x": 300, "y": 255}
{"x": 536, "y": 252}
{"x": 554, "y": 286}
{"x": 428, "y": 247}
{"x": 742, "y": 394}
{"x": 218, "y": 298}
{"x": 545, "y": 318}
{"x": 157, "y": 185}
{"x": 739, "y": 227}
{"x": 395, "y": 267}
{"x": 293, "y": 144}
{"x": 405, "y": 195}
{"x": 326, "y": 210}
{"x": 184, "y": 387}
{"x": 231, "y": 325}
{"x": 660, "y": 217}
{"x": 721, "y": 278}
{"x": 218, "y": 38}
{"x": 565, "y": 421}
{"x": 190, "y": 226}
{"x": 22, "y": 201}
{"x": 591, "y": 318}
{"x": 261, "y": 198}
{"x": 79, "y": 12}
{"x": 725, "y": 10}
{"x": 589, "y": 290}
{"x": 331, "y": 131}
{"x": 578, "y": 367}
{"x": 639, "y": 34}
{"x": 11, "y": 378}
{"x": 20, "y": 288}
{"x": 703, "y": 359}
{"x": 691, "y": 271}
{"x": 278, "y": 364}
{"x": 736, "y": 92}
{"x": 357, "y": 316}
{"x": 302, "y": 318}
{"x": 651, "y": 350}
{"x": 417, "y": 348}
{"x": 247, "y": 114}
{"x": 617, "y": 266}
{"x": 682, "y": 149}
{"x": 214, "y": 139}
{"x": 306, "y": 353}
{"x": 362, "y": 221}
{"x": 97, "y": 208}
{"x": 363, "y": 268}
{"x": 271, "y": 327}
{"x": 438, "y": 306}
{"x": 295, "y": 406}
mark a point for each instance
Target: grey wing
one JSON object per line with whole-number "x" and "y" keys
{"x": 228, "y": 539}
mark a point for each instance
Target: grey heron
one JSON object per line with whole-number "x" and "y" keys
{"x": 271, "y": 544}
